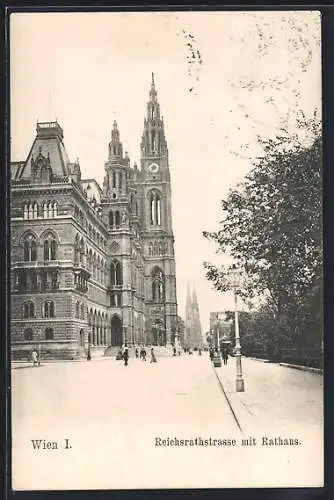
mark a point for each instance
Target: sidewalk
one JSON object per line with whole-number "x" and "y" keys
{"x": 275, "y": 396}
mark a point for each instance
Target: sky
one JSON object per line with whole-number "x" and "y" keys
{"x": 223, "y": 78}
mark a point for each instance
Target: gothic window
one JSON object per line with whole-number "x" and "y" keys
{"x": 120, "y": 180}
{"x": 28, "y": 334}
{"x": 82, "y": 250}
{"x": 55, "y": 209}
{"x": 114, "y": 176}
{"x": 117, "y": 219}
{"x": 150, "y": 248}
{"x": 77, "y": 307}
{"x": 50, "y": 248}
{"x": 31, "y": 212}
{"x": 28, "y": 310}
{"x": 49, "y": 309}
{"x": 76, "y": 250}
{"x": 50, "y": 210}
{"x": 116, "y": 273}
{"x": 35, "y": 211}
{"x": 30, "y": 249}
{"x": 48, "y": 334}
{"x": 155, "y": 209}
{"x": 157, "y": 285}
{"x": 111, "y": 218}
{"x": 45, "y": 211}
{"x": 25, "y": 212}
{"x": 82, "y": 311}
{"x": 54, "y": 279}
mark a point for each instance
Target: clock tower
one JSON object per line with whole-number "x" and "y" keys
{"x": 154, "y": 193}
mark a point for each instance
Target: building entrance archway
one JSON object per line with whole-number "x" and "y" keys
{"x": 158, "y": 333}
{"x": 116, "y": 331}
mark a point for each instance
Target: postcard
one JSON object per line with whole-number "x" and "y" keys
{"x": 166, "y": 250}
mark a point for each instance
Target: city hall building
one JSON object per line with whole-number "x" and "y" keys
{"x": 92, "y": 266}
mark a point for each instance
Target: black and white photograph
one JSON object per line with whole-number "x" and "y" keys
{"x": 166, "y": 250}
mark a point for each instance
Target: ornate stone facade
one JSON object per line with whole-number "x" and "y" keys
{"x": 91, "y": 266}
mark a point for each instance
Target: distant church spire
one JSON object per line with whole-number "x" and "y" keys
{"x": 188, "y": 295}
{"x": 195, "y": 302}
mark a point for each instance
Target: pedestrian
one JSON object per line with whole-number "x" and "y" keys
{"x": 126, "y": 356}
{"x": 174, "y": 351}
{"x": 143, "y": 354}
{"x": 211, "y": 353}
{"x": 200, "y": 352}
{"x": 34, "y": 358}
{"x": 136, "y": 352}
{"x": 224, "y": 356}
{"x": 153, "y": 358}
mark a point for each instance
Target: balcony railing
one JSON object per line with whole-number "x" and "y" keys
{"x": 81, "y": 288}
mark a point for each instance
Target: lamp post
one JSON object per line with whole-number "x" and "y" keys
{"x": 39, "y": 347}
{"x": 89, "y": 355}
{"x": 240, "y": 386}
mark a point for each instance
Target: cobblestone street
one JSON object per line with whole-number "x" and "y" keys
{"x": 113, "y": 414}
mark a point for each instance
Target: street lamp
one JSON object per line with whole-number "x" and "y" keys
{"x": 89, "y": 356}
{"x": 235, "y": 275}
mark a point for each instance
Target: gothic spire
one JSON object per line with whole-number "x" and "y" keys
{"x": 195, "y": 301}
{"x": 115, "y": 146}
{"x": 153, "y": 139}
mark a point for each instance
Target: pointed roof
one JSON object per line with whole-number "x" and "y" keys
{"x": 48, "y": 143}
{"x": 153, "y": 92}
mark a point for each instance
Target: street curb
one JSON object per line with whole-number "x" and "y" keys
{"x": 260, "y": 359}
{"x": 303, "y": 368}
{"x": 290, "y": 365}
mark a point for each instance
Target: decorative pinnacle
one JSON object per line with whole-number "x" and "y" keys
{"x": 152, "y": 79}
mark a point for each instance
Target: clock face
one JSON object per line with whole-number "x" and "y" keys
{"x": 154, "y": 167}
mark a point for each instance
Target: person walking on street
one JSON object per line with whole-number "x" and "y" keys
{"x": 143, "y": 354}
{"x": 174, "y": 351}
{"x": 34, "y": 358}
{"x": 136, "y": 352}
{"x": 153, "y": 358}
{"x": 126, "y": 356}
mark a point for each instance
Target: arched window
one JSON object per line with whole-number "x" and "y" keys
{"x": 28, "y": 334}
{"x": 82, "y": 250}
{"x": 155, "y": 209}
{"x": 28, "y": 310}
{"x": 30, "y": 249}
{"x": 45, "y": 211}
{"x": 113, "y": 179}
{"x": 117, "y": 219}
{"x": 50, "y": 248}
{"x": 82, "y": 311}
{"x": 116, "y": 273}
{"x": 77, "y": 306}
{"x": 49, "y": 334}
{"x": 157, "y": 285}
{"x": 120, "y": 180}
{"x": 49, "y": 210}
{"x": 25, "y": 212}
{"x": 35, "y": 211}
{"x": 55, "y": 209}
{"x": 49, "y": 309}
{"x": 31, "y": 212}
